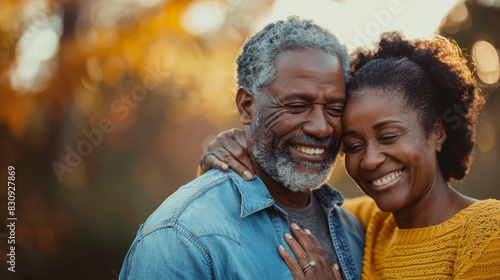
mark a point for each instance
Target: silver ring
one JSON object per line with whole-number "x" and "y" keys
{"x": 308, "y": 266}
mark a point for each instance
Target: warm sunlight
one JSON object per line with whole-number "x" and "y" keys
{"x": 106, "y": 107}
{"x": 360, "y": 22}
{"x": 487, "y": 61}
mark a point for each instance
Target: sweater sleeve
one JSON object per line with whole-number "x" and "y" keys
{"x": 199, "y": 171}
{"x": 362, "y": 207}
{"x": 479, "y": 254}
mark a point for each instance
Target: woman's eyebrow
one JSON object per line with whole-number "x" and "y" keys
{"x": 382, "y": 123}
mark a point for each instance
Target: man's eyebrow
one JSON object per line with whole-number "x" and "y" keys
{"x": 336, "y": 100}
{"x": 298, "y": 96}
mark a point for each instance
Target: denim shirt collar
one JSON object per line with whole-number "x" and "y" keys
{"x": 328, "y": 196}
{"x": 255, "y": 196}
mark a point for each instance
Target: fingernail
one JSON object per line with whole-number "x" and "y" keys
{"x": 335, "y": 265}
{"x": 289, "y": 236}
{"x": 224, "y": 166}
{"x": 294, "y": 226}
{"x": 247, "y": 175}
{"x": 281, "y": 248}
{"x": 307, "y": 231}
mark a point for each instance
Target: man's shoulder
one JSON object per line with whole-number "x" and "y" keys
{"x": 215, "y": 198}
{"x": 196, "y": 196}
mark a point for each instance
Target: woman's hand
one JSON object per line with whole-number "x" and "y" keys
{"x": 228, "y": 150}
{"x": 307, "y": 248}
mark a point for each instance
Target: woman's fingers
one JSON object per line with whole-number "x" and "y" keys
{"x": 306, "y": 247}
{"x": 336, "y": 271}
{"x": 238, "y": 159}
{"x": 305, "y": 268}
{"x": 211, "y": 161}
{"x": 320, "y": 254}
{"x": 311, "y": 245}
{"x": 299, "y": 246}
{"x": 330, "y": 271}
{"x": 294, "y": 267}
{"x": 228, "y": 150}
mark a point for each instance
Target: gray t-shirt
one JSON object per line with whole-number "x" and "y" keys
{"x": 313, "y": 218}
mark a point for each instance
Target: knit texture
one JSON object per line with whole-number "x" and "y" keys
{"x": 467, "y": 246}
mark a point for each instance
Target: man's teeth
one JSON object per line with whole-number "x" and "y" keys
{"x": 311, "y": 151}
{"x": 387, "y": 179}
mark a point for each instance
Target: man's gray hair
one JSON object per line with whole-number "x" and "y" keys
{"x": 255, "y": 65}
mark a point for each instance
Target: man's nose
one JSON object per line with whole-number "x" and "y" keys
{"x": 317, "y": 123}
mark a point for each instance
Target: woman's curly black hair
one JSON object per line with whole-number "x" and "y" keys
{"x": 434, "y": 79}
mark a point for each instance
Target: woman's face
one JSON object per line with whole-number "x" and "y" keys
{"x": 388, "y": 153}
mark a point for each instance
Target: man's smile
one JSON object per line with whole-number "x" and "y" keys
{"x": 310, "y": 150}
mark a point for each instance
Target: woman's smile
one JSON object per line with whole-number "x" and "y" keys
{"x": 387, "y": 179}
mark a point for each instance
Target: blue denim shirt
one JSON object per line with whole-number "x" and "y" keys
{"x": 220, "y": 226}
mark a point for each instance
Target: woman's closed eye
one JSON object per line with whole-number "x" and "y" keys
{"x": 388, "y": 138}
{"x": 353, "y": 146}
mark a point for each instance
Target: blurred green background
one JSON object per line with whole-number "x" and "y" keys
{"x": 107, "y": 105}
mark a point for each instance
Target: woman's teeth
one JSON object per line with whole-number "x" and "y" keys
{"x": 310, "y": 151}
{"x": 387, "y": 179}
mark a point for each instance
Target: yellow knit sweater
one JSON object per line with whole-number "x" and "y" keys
{"x": 467, "y": 246}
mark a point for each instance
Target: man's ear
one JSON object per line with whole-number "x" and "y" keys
{"x": 439, "y": 134}
{"x": 245, "y": 103}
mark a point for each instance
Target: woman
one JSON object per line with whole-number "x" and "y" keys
{"x": 409, "y": 130}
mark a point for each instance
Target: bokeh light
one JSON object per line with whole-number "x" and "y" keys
{"x": 487, "y": 61}
{"x": 202, "y": 18}
{"x": 36, "y": 48}
{"x": 359, "y": 22}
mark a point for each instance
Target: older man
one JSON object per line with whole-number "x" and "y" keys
{"x": 291, "y": 95}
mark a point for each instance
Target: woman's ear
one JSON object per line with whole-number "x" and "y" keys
{"x": 245, "y": 103}
{"x": 439, "y": 134}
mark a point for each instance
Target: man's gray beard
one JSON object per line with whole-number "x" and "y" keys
{"x": 285, "y": 169}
